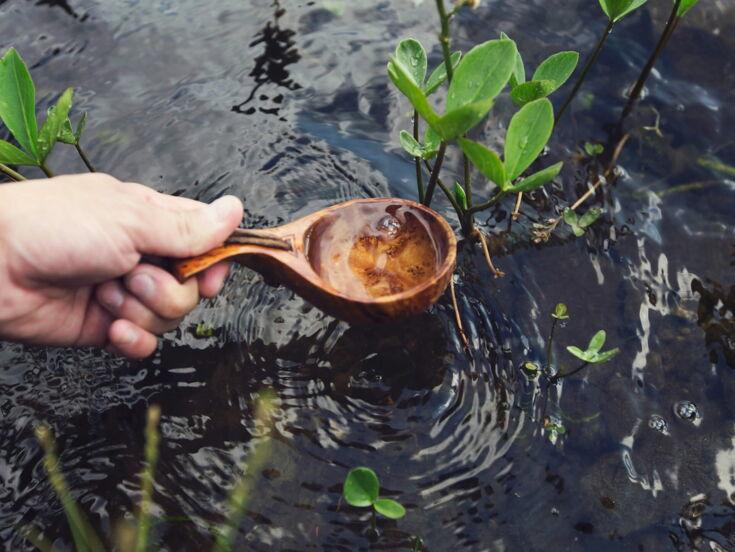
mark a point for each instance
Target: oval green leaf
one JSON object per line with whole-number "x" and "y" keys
{"x": 557, "y": 68}
{"x": 685, "y": 6}
{"x": 599, "y": 358}
{"x": 439, "y": 75}
{"x": 457, "y": 122}
{"x": 579, "y": 353}
{"x": 410, "y": 144}
{"x": 528, "y": 131}
{"x": 482, "y": 73}
{"x": 597, "y": 341}
{"x": 402, "y": 78}
{"x": 590, "y": 216}
{"x": 537, "y": 179}
{"x": 18, "y": 101}
{"x": 459, "y": 195}
{"x": 432, "y": 141}
{"x": 486, "y": 160}
{"x": 530, "y": 91}
{"x": 389, "y": 508}
{"x": 560, "y": 312}
{"x": 56, "y": 116}
{"x": 617, "y": 9}
{"x": 361, "y": 487}
{"x": 10, "y": 155}
{"x": 519, "y": 71}
{"x": 411, "y": 54}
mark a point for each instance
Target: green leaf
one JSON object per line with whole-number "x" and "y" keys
{"x": 530, "y": 91}
{"x": 389, "y": 508}
{"x": 579, "y": 353}
{"x": 18, "y": 101}
{"x": 56, "y": 116}
{"x": 617, "y": 9}
{"x": 571, "y": 218}
{"x": 81, "y": 125}
{"x": 590, "y": 216}
{"x": 66, "y": 133}
{"x": 403, "y": 79}
{"x": 560, "y": 312}
{"x": 410, "y": 144}
{"x": 604, "y": 357}
{"x": 519, "y": 71}
{"x": 411, "y": 54}
{"x": 685, "y": 6}
{"x": 482, "y": 73}
{"x": 432, "y": 141}
{"x": 537, "y": 179}
{"x": 10, "y": 155}
{"x": 457, "y": 122}
{"x": 439, "y": 75}
{"x": 460, "y": 195}
{"x": 557, "y": 68}
{"x": 597, "y": 341}
{"x": 486, "y": 160}
{"x": 593, "y": 149}
{"x": 361, "y": 487}
{"x": 528, "y": 131}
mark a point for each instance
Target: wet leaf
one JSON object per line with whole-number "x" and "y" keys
{"x": 18, "y": 101}
{"x": 389, "y": 508}
{"x": 557, "y": 68}
{"x": 537, "y": 179}
{"x": 410, "y": 144}
{"x": 518, "y": 76}
{"x": 685, "y": 6}
{"x": 530, "y": 91}
{"x": 56, "y": 116}
{"x": 460, "y": 195}
{"x": 361, "y": 487}
{"x": 457, "y": 122}
{"x": 604, "y": 357}
{"x": 560, "y": 312}
{"x": 579, "y": 353}
{"x": 590, "y": 216}
{"x": 432, "y": 141}
{"x": 403, "y": 79}
{"x": 481, "y": 74}
{"x": 529, "y": 130}
{"x": 593, "y": 149}
{"x": 10, "y": 155}
{"x": 593, "y": 355}
{"x": 597, "y": 341}
{"x": 439, "y": 75}
{"x": 571, "y": 218}
{"x": 411, "y": 54}
{"x": 617, "y": 9}
{"x": 486, "y": 160}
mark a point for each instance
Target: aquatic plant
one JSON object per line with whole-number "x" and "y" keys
{"x": 580, "y": 224}
{"x": 18, "y": 113}
{"x": 361, "y": 489}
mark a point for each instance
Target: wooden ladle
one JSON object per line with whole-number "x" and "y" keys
{"x": 365, "y": 260}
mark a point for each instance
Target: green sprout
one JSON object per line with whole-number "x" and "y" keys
{"x": 592, "y": 354}
{"x": 560, "y": 312}
{"x": 18, "y": 113}
{"x": 361, "y": 489}
{"x": 592, "y": 148}
{"x": 580, "y": 224}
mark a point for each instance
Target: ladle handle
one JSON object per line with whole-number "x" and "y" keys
{"x": 184, "y": 269}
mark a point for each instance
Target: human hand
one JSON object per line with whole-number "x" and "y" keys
{"x": 70, "y": 261}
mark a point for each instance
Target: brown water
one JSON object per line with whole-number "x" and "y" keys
{"x": 374, "y": 250}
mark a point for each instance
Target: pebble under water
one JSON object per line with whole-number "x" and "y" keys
{"x": 287, "y": 105}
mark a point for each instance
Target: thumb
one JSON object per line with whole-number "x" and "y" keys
{"x": 185, "y": 232}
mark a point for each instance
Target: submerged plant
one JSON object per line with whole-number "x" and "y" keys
{"x": 579, "y": 224}
{"x": 18, "y": 113}
{"x": 361, "y": 489}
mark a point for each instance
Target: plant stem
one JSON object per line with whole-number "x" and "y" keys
{"x": 450, "y": 196}
{"x": 590, "y": 62}
{"x": 152, "y": 439}
{"x": 444, "y": 38}
{"x": 435, "y": 174}
{"x": 557, "y": 377}
{"x": 16, "y": 176}
{"x": 84, "y": 157}
{"x": 548, "y": 345}
{"x": 46, "y": 170}
{"x": 457, "y": 316}
{"x": 489, "y": 203}
{"x": 417, "y": 160}
{"x": 635, "y": 93}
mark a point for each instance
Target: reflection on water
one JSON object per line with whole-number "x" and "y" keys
{"x": 647, "y": 459}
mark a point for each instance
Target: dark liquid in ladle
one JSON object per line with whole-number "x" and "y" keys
{"x": 370, "y": 251}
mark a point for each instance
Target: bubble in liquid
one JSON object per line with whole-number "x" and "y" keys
{"x": 389, "y": 224}
{"x": 687, "y": 410}
{"x": 658, "y": 423}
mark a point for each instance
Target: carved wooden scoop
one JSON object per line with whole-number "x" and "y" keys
{"x": 365, "y": 260}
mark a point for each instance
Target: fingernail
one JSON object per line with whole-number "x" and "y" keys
{"x": 143, "y": 286}
{"x": 127, "y": 336}
{"x": 112, "y": 297}
{"x": 221, "y": 208}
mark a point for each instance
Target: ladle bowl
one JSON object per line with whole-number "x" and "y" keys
{"x": 363, "y": 261}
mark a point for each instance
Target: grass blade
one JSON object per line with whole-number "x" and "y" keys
{"x": 152, "y": 439}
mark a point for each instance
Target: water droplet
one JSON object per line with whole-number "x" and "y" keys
{"x": 658, "y": 423}
{"x": 687, "y": 410}
{"x": 389, "y": 224}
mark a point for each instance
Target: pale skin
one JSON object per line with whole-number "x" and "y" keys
{"x": 71, "y": 269}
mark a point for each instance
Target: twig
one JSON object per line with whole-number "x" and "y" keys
{"x": 84, "y": 157}
{"x": 590, "y": 62}
{"x": 548, "y": 345}
{"x": 457, "y": 317}
{"x": 489, "y": 203}
{"x": 435, "y": 174}
{"x": 517, "y": 209}
{"x": 46, "y": 170}
{"x": 483, "y": 241}
{"x": 557, "y": 377}
{"x": 16, "y": 176}
{"x": 417, "y": 160}
{"x": 444, "y": 38}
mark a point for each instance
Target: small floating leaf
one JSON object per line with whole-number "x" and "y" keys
{"x": 389, "y": 508}
{"x": 361, "y": 487}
